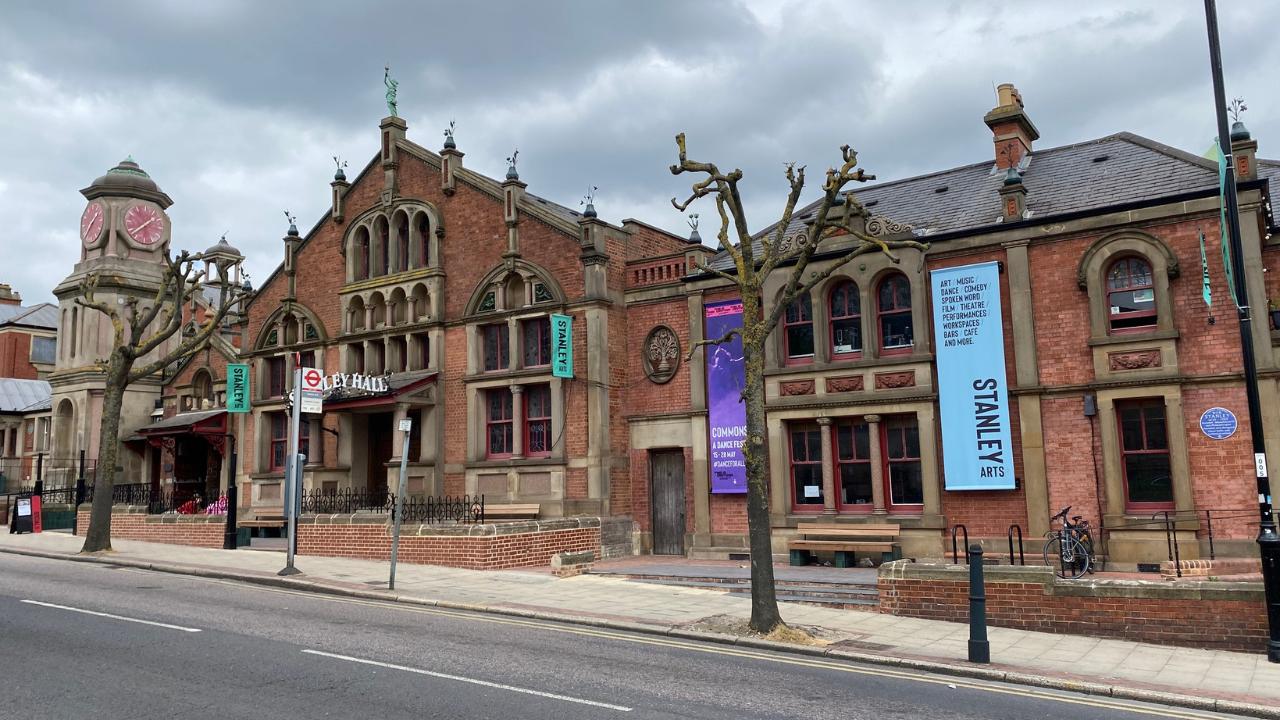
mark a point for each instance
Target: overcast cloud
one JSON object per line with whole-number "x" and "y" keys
{"x": 235, "y": 107}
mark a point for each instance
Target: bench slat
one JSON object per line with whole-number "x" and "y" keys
{"x": 887, "y": 529}
{"x": 837, "y": 545}
{"x": 846, "y": 533}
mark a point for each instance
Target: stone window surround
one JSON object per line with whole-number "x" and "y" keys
{"x": 781, "y": 510}
{"x": 1112, "y": 469}
{"x": 866, "y": 272}
{"x": 403, "y": 211}
{"x": 303, "y": 316}
{"x": 515, "y": 323}
{"x": 412, "y": 337}
{"x": 477, "y": 416}
{"x": 1091, "y": 277}
{"x": 406, "y": 302}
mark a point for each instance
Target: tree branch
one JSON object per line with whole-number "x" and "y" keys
{"x": 693, "y": 347}
{"x": 771, "y": 252}
{"x": 718, "y": 273}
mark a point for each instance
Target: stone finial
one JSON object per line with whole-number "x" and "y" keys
{"x": 694, "y": 237}
{"x": 340, "y": 173}
{"x": 590, "y": 209}
{"x": 511, "y": 165}
{"x": 448, "y": 137}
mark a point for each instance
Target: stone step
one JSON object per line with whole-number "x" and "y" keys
{"x": 745, "y": 581}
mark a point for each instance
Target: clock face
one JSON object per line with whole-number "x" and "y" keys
{"x": 144, "y": 223}
{"x": 91, "y": 223}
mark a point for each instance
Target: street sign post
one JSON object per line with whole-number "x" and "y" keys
{"x": 293, "y": 472}
{"x": 312, "y": 391}
{"x": 406, "y": 426}
{"x": 238, "y": 388}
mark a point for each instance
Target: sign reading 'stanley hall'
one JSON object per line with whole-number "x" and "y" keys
{"x": 973, "y": 387}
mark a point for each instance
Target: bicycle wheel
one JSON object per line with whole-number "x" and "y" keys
{"x": 1086, "y": 539}
{"x": 1069, "y": 560}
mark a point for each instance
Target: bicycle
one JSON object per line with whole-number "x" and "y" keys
{"x": 1069, "y": 550}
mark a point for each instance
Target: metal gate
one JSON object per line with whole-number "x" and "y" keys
{"x": 666, "y": 475}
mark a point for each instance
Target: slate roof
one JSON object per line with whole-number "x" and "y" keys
{"x": 1113, "y": 170}
{"x": 22, "y": 396}
{"x": 182, "y": 420}
{"x": 44, "y": 315}
{"x": 1270, "y": 169}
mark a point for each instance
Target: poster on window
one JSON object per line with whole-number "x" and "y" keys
{"x": 973, "y": 387}
{"x": 726, "y": 413}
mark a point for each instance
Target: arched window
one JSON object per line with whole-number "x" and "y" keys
{"x": 846, "y": 321}
{"x": 797, "y": 330}
{"x": 893, "y": 310}
{"x": 1131, "y": 296}
{"x": 381, "y": 264}
{"x": 402, "y": 242}
{"x": 424, "y": 238}
{"x": 362, "y": 254}
{"x": 202, "y": 390}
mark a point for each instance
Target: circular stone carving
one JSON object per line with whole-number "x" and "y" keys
{"x": 661, "y": 354}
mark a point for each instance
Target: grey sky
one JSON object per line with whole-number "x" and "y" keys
{"x": 236, "y": 107}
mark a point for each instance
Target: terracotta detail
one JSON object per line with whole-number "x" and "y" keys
{"x": 796, "y": 387}
{"x": 848, "y": 383}
{"x": 661, "y": 354}
{"x": 1134, "y": 360}
{"x": 894, "y": 380}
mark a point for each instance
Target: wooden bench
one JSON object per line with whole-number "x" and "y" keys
{"x": 264, "y": 519}
{"x": 845, "y": 541}
{"x": 511, "y": 512}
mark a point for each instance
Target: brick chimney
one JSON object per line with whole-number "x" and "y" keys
{"x": 9, "y": 296}
{"x": 1011, "y": 129}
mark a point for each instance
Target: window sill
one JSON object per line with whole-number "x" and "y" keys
{"x": 514, "y": 462}
{"x": 853, "y": 363}
{"x": 1134, "y": 337}
{"x": 537, "y": 372}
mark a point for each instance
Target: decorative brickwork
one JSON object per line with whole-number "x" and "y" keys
{"x": 895, "y": 380}
{"x": 848, "y": 383}
{"x": 1138, "y": 360}
{"x": 796, "y": 387}
{"x": 1220, "y": 616}
{"x": 477, "y": 547}
{"x": 134, "y": 524}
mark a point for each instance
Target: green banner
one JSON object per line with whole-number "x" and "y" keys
{"x": 562, "y": 346}
{"x": 238, "y": 388}
{"x": 1206, "y": 289}
{"x": 1222, "y": 222}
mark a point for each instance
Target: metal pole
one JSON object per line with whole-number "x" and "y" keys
{"x": 979, "y": 647}
{"x": 1268, "y": 541}
{"x": 78, "y": 499}
{"x": 229, "y": 537}
{"x": 294, "y": 471}
{"x": 406, "y": 425}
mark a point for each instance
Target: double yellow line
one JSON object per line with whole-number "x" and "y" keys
{"x": 748, "y": 653}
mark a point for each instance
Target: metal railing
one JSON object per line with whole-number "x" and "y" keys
{"x": 1168, "y": 520}
{"x": 1016, "y": 529}
{"x": 955, "y": 551}
{"x": 430, "y": 510}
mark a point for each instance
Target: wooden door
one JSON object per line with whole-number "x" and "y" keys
{"x": 379, "y": 451}
{"x": 666, "y": 471}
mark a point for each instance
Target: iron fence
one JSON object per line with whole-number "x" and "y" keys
{"x": 19, "y": 474}
{"x": 428, "y": 510}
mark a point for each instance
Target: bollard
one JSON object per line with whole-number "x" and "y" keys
{"x": 979, "y": 647}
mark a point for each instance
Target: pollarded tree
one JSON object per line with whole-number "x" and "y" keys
{"x": 140, "y": 329}
{"x": 839, "y": 225}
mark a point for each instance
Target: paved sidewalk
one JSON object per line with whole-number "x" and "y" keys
{"x": 1090, "y": 661}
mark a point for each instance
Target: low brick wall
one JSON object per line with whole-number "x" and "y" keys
{"x": 478, "y": 547}
{"x": 133, "y": 523}
{"x": 1217, "y": 615}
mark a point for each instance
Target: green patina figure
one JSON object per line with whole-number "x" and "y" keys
{"x": 391, "y": 90}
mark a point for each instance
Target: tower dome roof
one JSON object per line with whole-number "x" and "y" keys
{"x": 128, "y": 179}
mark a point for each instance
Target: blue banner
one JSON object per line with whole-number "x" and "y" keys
{"x": 726, "y": 412}
{"x": 973, "y": 394}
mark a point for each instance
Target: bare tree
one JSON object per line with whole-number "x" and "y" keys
{"x": 138, "y": 329}
{"x": 839, "y": 215}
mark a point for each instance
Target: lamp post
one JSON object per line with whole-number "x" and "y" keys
{"x": 1268, "y": 541}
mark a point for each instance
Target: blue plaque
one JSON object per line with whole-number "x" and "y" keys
{"x": 1218, "y": 423}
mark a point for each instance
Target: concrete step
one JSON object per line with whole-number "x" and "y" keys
{"x": 720, "y": 581}
{"x": 825, "y": 595}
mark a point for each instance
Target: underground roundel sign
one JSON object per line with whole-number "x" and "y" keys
{"x": 312, "y": 389}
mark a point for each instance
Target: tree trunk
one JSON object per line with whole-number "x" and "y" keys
{"x": 764, "y": 601}
{"x": 98, "y": 536}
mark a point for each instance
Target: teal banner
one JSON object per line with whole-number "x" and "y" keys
{"x": 238, "y": 388}
{"x": 1222, "y": 222}
{"x": 973, "y": 387}
{"x": 1206, "y": 290}
{"x": 562, "y": 346}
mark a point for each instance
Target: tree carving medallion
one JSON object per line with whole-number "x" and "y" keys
{"x": 661, "y": 354}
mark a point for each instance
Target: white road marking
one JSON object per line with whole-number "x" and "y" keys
{"x": 113, "y": 617}
{"x": 473, "y": 681}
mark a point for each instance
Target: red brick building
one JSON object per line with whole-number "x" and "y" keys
{"x": 427, "y": 293}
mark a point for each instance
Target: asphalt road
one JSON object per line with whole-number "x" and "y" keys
{"x": 90, "y": 641}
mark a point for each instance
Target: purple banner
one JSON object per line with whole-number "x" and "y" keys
{"x": 727, "y": 414}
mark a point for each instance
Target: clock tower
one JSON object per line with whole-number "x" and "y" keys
{"x": 124, "y": 234}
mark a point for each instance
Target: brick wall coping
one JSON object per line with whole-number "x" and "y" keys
{"x": 486, "y": 530}
{"x": 200, "y": 518}
{"x": 905, "y": 570}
